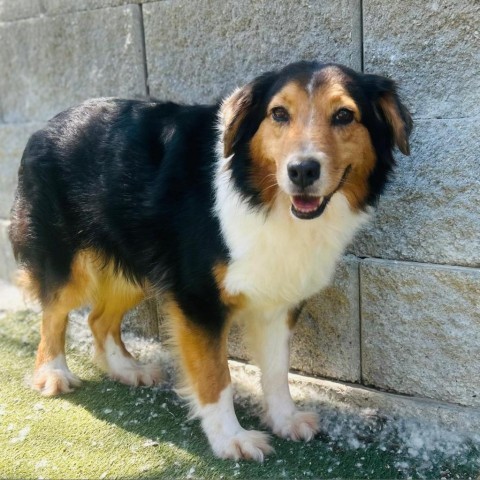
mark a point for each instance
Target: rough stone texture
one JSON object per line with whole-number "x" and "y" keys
{"x": 13, "y": 139}
{"x": 431, "y": 211}
{"x": 11, "y": 10}
{"x": 145, "y": 319}
{"x": 66, "y": 6}
{"x": 431, "y": 48}
{"x": 237, "y": 348}
{"x": 7, "y": 262}
{"x": 326, "y": 340}
{"x": 199, "y": 50}
{"x": 421, "y": 330}
{"x": 56, "y": 62}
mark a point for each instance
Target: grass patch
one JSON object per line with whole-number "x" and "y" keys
{"x": 108, "y": 430}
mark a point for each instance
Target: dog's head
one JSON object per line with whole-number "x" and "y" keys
{"x": 310, "y": 130}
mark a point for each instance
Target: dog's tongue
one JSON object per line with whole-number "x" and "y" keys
{"x": 304, "y": 203}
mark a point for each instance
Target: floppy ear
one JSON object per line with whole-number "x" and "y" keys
{"x": 233, "y": 112}
{"x": 390, "y": 109}
{"x": 243, "y": 111}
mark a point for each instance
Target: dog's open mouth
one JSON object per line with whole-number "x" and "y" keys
{"x": 307, "y": 207}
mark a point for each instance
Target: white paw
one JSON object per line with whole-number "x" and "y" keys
{"x": 246, "y": 444}
{"x": 297, "y": 426}
{"x": 137, "y": 374}
{"x": 124, "y": 368}
{"x": 54, "y": 378}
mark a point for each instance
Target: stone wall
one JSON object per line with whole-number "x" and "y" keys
{"x": 403, "y": 314}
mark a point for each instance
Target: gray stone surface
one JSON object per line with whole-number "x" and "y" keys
{"x": 65, "y": 6}
{"x": 11, "y": 10}
{"x": 7, "y": 262}
{"x": 432, "y": 48}
{"x": 326, "y": 341}
{"x": 13, "y": 139}
{"x": 199, "y": 50}
{"x": 237, "y": 348}
{"x": 421, "y": 330}
{"x": 56, "y": 62}
{"x": 431, "y": 211}
{"x": 145, "y": 319}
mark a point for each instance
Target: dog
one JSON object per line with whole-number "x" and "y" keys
{"x": 237, "y": 211}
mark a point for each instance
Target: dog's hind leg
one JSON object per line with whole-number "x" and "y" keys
{"x": 114, "y": 297}
{"x": 52, "y": 375}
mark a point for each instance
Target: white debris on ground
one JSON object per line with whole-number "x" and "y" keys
{"x": 22, "y": 435}
{"x": 418, "y": 446}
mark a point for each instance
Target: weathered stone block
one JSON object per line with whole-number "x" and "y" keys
{"x": 7, "y": 262}
{"x": 56, "y": 62}
{"x": 431, "y": 210}
{"x": 13, "y": 139}
{"x": 421, "y": 329}
{"x": 199, "y": 50}
{"x": 326, "y": 340}
{"x": 431, "y": 48}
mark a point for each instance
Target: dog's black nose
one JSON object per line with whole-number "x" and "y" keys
{"x": 303, "y": 173}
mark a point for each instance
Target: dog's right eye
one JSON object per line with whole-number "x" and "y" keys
{"x": 280, "y": 115}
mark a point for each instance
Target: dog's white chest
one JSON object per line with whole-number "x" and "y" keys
{"x": 279, "y": 260}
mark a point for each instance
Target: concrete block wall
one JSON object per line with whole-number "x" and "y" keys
{"x": 403, "y": 313}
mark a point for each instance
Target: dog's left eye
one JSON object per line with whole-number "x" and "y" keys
{"x": 280, "y": 115}
{"x": 344, "y": 116}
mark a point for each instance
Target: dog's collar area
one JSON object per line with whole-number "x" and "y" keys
{"x": 310, "y": 214}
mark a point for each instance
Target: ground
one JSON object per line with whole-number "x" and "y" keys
{"x": 108, "y": 430}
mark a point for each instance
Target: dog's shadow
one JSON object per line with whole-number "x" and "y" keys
{"x": 156, "y": 414}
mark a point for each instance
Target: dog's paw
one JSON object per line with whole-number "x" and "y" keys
{"x": 136, "y": 374}
{"x": 297, "y": 426}
{"x": 54, "y": 381}
{"x": 244, "y": 445}
{"x": 123, "y": 368}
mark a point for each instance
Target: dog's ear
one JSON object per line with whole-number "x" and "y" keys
{"x": 243, "y": 111}
{"x": 388, "y": 107}
{"x": 233, "y": 113}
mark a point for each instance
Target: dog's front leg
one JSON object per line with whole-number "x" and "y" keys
{"x": 268, "y": 335}
{"x": 203, "y": 356}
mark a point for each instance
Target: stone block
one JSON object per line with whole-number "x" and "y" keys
{"x": 7, "y": 262}
{"x": 421, "y": 330}
{"x": 431, "y": 48}
{"x": 56, "y": 62}
{"x": 326, "y": 340}
{"x": 431, "y": 210}
{"x": 13, "y": 139}
{"x": 199, "y": 50}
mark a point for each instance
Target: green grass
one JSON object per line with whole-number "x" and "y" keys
{"x": 107, "y": 430}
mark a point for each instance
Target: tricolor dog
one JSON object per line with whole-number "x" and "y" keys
{"x": 234, "y": 212}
